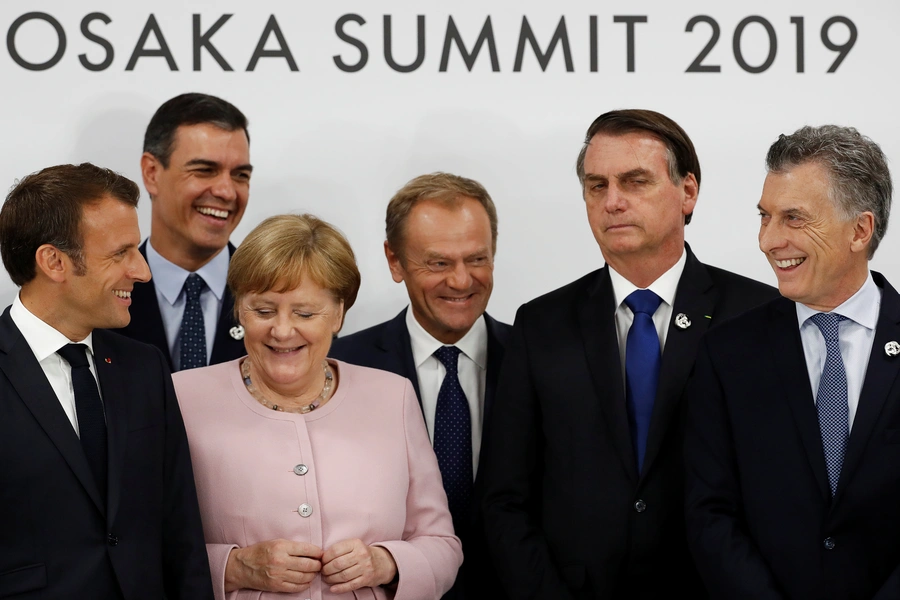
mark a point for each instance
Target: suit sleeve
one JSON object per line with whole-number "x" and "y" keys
{"x": 429, "y": 555}
{"x": 512, "y": 462}
{"x": 185, "y": 562}
{"x": 726, "y": 557}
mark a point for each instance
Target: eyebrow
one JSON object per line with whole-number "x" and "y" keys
{"x": 203, "y": 162}
{"x": 640, "y": 171}
{"x": 791, "y": 212}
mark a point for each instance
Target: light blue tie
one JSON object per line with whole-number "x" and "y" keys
{"x": 831, "y": 399}
{"x": 193, "y": 330}
{"x": 642, "y": 359}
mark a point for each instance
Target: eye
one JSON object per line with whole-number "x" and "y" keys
{"x": 304, "y": 315}
{"x": 243, "y": 176}
{"x": 263, "y": 312}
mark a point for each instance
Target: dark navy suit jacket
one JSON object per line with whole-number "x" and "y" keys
{"x": 387, "y": 347}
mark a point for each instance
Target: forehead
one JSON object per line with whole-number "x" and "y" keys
{"x": 109, "y": 223}
{"x": 803, "y": 187}
{"x": 608, "y": 154}
{"x": 441, "y": 226}
{"x": 305, "y": 291}
{"x": 205, "y": 140}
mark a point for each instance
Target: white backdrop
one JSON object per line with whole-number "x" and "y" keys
{"x": 339, "y": 143}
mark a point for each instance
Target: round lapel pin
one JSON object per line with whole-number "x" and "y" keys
{"x": 892, "y": 348}
{"x": 682, "y": 321}
{"x": 237, "y": 332}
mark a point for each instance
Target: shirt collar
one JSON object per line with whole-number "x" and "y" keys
{"x": 42, "y": 338}
{"x": 862, "y": 307}
{"x": 473, "y": 344}
{"x": 169, "y": 278}
{"x": 665, "y": 286}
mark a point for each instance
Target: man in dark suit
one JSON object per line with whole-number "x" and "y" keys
{"x": 441, "y": 240}
{"x": 794, "y": 408}
{"x": 196, "y": 168}
{"x": 584, "y": 481}
{"x": 97, "y": 495}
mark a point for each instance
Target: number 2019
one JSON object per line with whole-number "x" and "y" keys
{"x": 842, "y": 49}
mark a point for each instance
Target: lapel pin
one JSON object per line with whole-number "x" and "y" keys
{"x": 237, "y": 332}
{"x": 892, "y": 348}
{"x": 682, "y": 321}
{"x": 108, "y": 361}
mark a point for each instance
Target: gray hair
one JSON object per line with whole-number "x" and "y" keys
{"x": 860, "y": 178}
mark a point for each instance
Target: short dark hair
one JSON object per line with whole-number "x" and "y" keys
{"x": 189, "y": 109}
{"x": 445, "y": 188}
{"x": 681, "y": 155}
{"x": 857, "y": 168}
{"x": 46, "y": 208}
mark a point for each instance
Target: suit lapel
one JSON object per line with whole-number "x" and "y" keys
{"x": 494, "y": 360}
{"x": 696, "y": 298}
{"x": 881, "y": 374}
{"x": 146, "y": 320}
{"x": 112, "y": 387}
{"x": 18, "y": 363}
{"x": 395, "y": 341}
{"x": 787, "y": 356}
{"x": 596, "y": 314}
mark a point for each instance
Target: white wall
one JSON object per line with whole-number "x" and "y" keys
{"x": 338, "y": 144}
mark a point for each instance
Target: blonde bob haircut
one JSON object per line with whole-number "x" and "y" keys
{"x": 282, "y": 250}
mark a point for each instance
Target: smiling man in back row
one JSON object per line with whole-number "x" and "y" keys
{"x": 793, "y": 439}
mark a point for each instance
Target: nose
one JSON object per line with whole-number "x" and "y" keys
{"x": 223, "y": 187}
{"x": 615, "y": 198}
{"x": 459, "y": 278}
{"x": 139, "y": 270}
{"x": 771, "y": 236}
{"x": 282, "y": 326}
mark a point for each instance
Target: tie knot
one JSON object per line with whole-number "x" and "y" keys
{"x": 828, "y": 324}
{"x": 74, "y": 354}
{"x": 643, "y": 301}
{"x": 448, "y": 356}
{"x": 193, "y": 285}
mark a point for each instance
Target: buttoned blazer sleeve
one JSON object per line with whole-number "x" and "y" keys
{"x": 428, "y": 556}
{"x": 730, "y": 563}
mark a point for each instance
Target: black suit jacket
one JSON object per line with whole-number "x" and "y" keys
{"x": 147, "y": 324}
{"x": 387, "y": 347}
{"x": 761, "y": 520}
{"x": 567, "y": 514}
{"x": 60, "y": 536}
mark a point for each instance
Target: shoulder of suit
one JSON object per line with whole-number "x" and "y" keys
{"x": 365, "y": 337}
{"x": 567, "y": 292}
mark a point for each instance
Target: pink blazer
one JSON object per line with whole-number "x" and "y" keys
{"x": 361, "y": 466}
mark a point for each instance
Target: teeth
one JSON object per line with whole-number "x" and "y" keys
{"x": 122, "y": 293}
{"x": 213, "y": 212}
{"x": 790, "y": 262}
{"x": 284, "y": 350}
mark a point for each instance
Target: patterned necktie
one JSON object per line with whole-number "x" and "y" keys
{"x": 453, "y": 436}
{"x": 89, "y": 410}
{"x": 642, "y": 359}
{"x": 193, "y": 330}
{"x": 831, "y": 399}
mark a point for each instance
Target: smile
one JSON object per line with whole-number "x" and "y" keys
{"x": 122, "y": 294}
{"x": 212, "y": 212}
{"x": 789, "y": 262}
{"x": 284, "y": 350}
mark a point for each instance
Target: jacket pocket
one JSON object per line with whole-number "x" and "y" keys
{"x": 22, "y": 579}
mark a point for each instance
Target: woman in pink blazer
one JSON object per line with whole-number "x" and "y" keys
{"x": 316, "y": 478}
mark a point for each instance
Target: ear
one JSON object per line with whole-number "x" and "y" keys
{"x": 339, "y": 322}
{"x": 397, "y": 270}
{"x": 53, "y": 263}
{"x": 863, "y": 230}
{"x": 150, "y": 168}
{"x": 691, "y": 190}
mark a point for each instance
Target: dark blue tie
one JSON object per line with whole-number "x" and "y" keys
{"x": 453, "y": 436}
{"x": 831, "y": 399}
{"x": 193, "y": 331}
{"x": 89, "y": 410}
{"x": 642, "y": 358}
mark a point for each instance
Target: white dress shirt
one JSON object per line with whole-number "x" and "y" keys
{"x": 472, "y": 372}
{"x": 856, "y": 332}
{"x": 44, "y": 341}
{"x": 169, "y": 278}
{"x": 664, "y": 287}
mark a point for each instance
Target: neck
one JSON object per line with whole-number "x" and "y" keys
{"x": 40, "y": 303}
{"x": 297, "y": 395}
{"x": 644, "y": 270}
{"x": 188, "y": 258}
